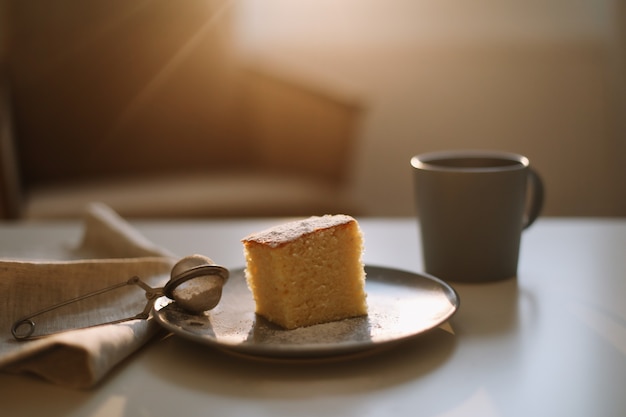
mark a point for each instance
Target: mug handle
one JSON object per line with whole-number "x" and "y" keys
{"x": 536, "y": 198}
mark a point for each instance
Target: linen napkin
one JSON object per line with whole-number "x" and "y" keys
{"x": 110, "y": 252}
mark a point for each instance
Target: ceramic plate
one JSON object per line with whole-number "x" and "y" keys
{"x": 401, "y": 305}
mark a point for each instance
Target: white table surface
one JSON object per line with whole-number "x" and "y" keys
{"x": 550, "y": 343}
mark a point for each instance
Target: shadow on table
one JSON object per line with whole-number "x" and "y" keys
{"x": 201, "y": 368}
{"x": 491, "y": 308}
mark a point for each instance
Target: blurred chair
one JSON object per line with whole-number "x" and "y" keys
{"x": 146, "y": 107}
{"x": 10, "y": 191}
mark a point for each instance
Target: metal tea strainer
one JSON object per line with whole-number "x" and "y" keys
{"x": 195, "y": 284}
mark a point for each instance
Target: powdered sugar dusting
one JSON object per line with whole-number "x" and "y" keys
{"x": 287, "y": 232}
{"x": 334, "y": 332}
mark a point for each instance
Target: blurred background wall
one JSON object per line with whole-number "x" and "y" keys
{"x": 544, "y": 78}
{"x": 154, "y": 86}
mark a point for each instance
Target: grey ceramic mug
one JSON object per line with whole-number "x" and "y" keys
{"x": 472, "y": 207}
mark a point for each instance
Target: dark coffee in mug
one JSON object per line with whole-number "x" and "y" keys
{"x": 472, "y": 208}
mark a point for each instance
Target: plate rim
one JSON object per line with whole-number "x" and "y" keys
{"x": 311, "y": 351}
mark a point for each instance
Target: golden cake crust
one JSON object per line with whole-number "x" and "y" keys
{"x": 288, "y": 232}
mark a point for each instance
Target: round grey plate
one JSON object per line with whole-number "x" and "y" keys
{"x": 401, "y": 305}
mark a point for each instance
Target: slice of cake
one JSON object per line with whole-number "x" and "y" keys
{"x": 308, "y": 271}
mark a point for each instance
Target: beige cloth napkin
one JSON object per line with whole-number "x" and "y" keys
{"x": 110, "y": 252}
